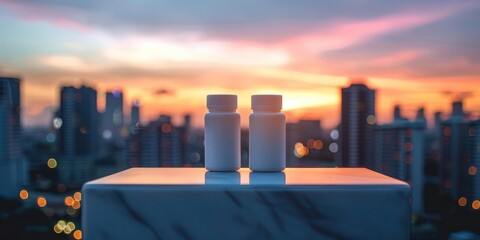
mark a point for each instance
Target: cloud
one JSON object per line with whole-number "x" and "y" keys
{"x": 163, "y": 91}
{"x": 155, "y": 52}
{"x": 68, "y": 63}
{"x": 303, "y": 49}
{"x": 266, "y": 20}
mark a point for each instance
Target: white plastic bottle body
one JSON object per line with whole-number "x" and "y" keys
{"x": 267, "y": 141}
{"x": 222, "y": 141}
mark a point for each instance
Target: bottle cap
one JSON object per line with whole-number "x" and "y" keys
{"x": 222, "y": 101}
{"x": 266, "y": 102}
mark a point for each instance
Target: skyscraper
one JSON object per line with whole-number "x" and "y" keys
{"x": 79, "y": 116}
{"x": 460, "y": 156}
{"x": 357, "y": 126}
{"x": 11, "y": 171}
{"x": 160, "y": 144}
{"x": 135, "y": 113}
{"x": 400, "y": 153}
{"x": 132, "y": 142}
{"x": 78, "y": 133}
{"x": 113, "y": 115}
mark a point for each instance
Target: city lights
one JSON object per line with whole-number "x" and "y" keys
{"x": 166, "y": 128}
{"x": 371, "y": 119}
{"x": 69, "y": 201}
{"x": 76, "y": 205}
{"x": 73, "y": 202}
{"x": 318, "y": 144}
{"x": 77, "y": 196}
{"x": 57, "y": 123}
{"x": 300, "y": 150}
{"x": 462, "y": 201}
{"x": 41, "y": 202}
{"x": 52, "y": 163}
{"x": 107, "y": 134}
{"x": 476, "y": 204}
{"x": 70, "y": 211}
{"x": 70, "y": 227}
{"x": 24, "y": 194}
{"x": 333, "y": 147}
{"x": 77, "y": 234}
{"x": 91, "y": 90}
{"x": 66, "y": 228}
{"x": 408, "y": 146}
{"x": 334, "y": 134}
{"x": 472, "y": 170}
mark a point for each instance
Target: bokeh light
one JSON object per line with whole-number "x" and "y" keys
{"x": 334, "y": 134}
{"x": 300, "y": 150}
{"x": 57, "y": 123}
{"x": 77, "y": 196}
{"x": 77, "y": 234}
{"x": 476, "y": 204}
{"x": 70, "y": 211}
{"x": 70, "y": 227}
{"x": 24, "y": 194}
{"x": 472, "y": 170}
{"x": 52, "y": 163}
{"x": 41, "y": 202}
{"x": 166, "y": 128}
{"x": 318, "y": 144}
{"x": 333, "y": 147}
{"x": 371, "y": 119}
{"x": 76, "y": 205}
{"x": 69, "y": 201}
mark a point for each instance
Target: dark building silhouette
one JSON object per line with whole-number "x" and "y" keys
{"x": 132, "y": 142}
{"x": 460, "y": 157}
{"x": 135, "y": 113}
{"x": 400, "y": 152}
{"x": 357, "y": 126}
{"x": 11, "y": 164}
{"x": 78, "y": 134}
{"x": 113, "y": 115}
{"x": 160, "y": 144}
{"x": 79, "y": 116}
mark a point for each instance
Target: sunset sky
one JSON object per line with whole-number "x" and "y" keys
{"x": 171, "y": 54}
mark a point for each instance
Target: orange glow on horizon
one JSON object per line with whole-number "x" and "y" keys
{"x": 306, "y": 96}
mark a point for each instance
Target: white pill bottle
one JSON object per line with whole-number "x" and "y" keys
{"x": 267, "y": 134}
{"x": 222, "y": 133}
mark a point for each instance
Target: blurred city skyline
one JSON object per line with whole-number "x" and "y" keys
{"x": 415, "y": 54}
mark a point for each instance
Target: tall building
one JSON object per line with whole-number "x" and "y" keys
{"x": 113, "y": 115}
{"x": 11, "y": 169}
{"x": 460, "y": 156}
{"x": 132, "y": 142}
{"x": 159, "y": 144}
{"x": 357, "y": 126}
{"x": 400, "y": 153}
{"x": 135, "y": 113}
{"x": 78, "y": 133}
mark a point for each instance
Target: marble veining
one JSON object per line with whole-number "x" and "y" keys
{"x": 262, "y": 206}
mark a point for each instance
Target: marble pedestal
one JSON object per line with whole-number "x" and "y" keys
{"x": 299, "y": 203}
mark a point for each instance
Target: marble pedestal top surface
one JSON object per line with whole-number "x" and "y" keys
{"x": 298, "y": 203}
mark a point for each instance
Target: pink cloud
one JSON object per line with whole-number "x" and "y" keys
{"x": 346, "y": 32}
{"x": 396, "y": 58}
{"x": 57, "y": 15}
